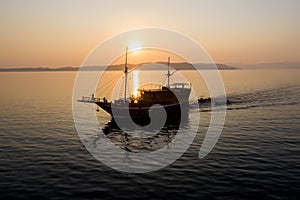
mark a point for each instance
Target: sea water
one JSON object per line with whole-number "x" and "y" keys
{"x": 257, "y": 155}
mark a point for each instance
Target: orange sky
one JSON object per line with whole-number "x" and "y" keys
{"x": 55, "y": 33}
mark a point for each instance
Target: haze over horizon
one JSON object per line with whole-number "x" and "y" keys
{"x": 62, "y": 33}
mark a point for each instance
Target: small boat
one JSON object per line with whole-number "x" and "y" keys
{"x": 173, "y": 97}
{"x": 204, "y": 100}
{"x": 208, "y": 101}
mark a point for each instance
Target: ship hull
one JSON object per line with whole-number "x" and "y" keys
{"x": 174, "y": 101}
{"x": 141, "y": 115}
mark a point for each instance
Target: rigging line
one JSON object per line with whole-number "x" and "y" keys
{"x": 108, "y": 82}
{"x": 106, "y": 89}
{"x": 113, "y": 85}
{"x": 163, "y": 79}
{"x": 105, "y": 85}
{"x": 174, "y": 72}
{"x": 134, "y": 68}
{"x": 105, "y": 92}
{"x": 172, "y": 80}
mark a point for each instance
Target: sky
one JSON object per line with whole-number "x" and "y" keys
{"x": 55, "y": 33}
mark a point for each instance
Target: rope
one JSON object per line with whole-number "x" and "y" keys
{"x": 108, "y": 82}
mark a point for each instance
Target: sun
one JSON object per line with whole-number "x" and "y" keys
{"x": 135, "y": 46}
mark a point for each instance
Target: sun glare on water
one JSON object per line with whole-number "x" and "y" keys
{"x": 135, "y": 82}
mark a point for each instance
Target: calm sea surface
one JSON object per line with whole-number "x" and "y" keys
{"x": 257, "y": 155}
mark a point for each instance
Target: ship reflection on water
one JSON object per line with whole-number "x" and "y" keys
{"x": 140, "y": 141}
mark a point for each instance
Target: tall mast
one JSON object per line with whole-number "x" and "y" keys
{"x": 125, "y": 72}
{"x": 168, "y": 73}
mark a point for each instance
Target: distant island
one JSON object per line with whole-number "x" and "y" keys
{"x": 272, "y": 65}
{"x": 38, "y": 69}
{"x": 178, "y": 66}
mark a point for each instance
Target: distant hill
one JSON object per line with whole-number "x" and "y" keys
{"x": 179, "y": 66}
{"x": 204, "y": 66}
{"x": 273, "y": 65}
{"x": 38, "y": 69}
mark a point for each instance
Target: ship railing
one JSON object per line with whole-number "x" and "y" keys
{"x": 97, "y": 100}
{"x": 92, "y": 100}
{"x": 180, "y": 85}
{"x": 86, "y": 99}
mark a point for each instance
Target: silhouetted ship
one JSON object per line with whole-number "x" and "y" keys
{"x": 173, "y": 97}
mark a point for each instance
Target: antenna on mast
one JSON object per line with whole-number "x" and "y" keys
{"x": 168, "y": 72}
{"x": 125, "y": 72}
